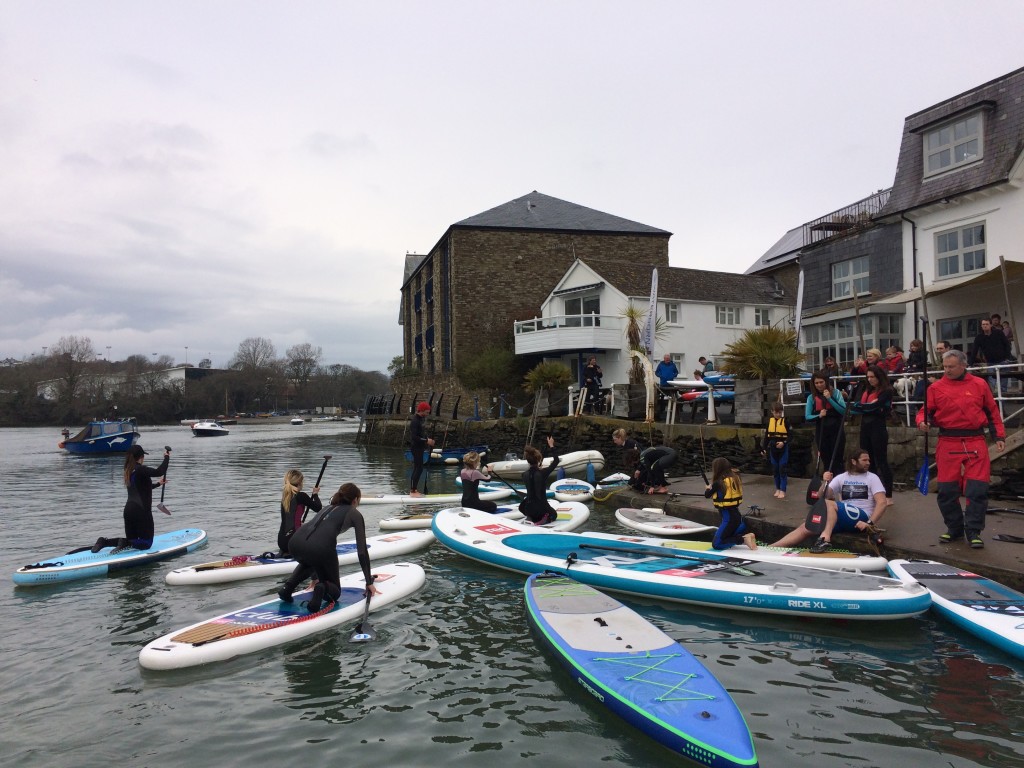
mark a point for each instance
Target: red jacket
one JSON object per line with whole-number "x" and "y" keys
{"x": 962, "y": 404}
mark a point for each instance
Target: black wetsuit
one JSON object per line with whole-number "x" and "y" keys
{"x": 314, "y": 547}
{"x": 535, "y": 506}
{"x": 138, "y": 510}
{"x": 652, "y": 466}
{"x": 471, "y": 492}
{"x": 417, "y": 444}
{"x": 292, "y": 519}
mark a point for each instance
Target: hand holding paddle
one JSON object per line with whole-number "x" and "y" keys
{"x": 163, "y": 485}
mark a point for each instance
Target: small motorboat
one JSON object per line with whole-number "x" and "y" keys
{"x": 298, "y": 420}
{"x": 102, "y": 436}
{"x": 208, "y": 429}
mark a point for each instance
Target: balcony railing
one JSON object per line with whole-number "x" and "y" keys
{"x": 569, "y": 332}
{"x": 859, "y": 214}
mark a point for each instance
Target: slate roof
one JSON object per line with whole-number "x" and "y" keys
{"x": 784, "y": 251}
{"x": 1002, "y": 100}
{"x": 535, "y": 211}
{"x": 691, "y": 284}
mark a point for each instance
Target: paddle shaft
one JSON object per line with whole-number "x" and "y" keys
{"x": 163, "y": 486}
{"x": 327, "y": 457}
{"x": 363, "y": 631}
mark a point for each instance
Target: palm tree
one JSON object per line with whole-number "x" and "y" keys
{"x": 763, "y": 353}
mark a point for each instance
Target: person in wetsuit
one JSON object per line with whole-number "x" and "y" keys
{"x": 471, "y": 477}
{"x": 535, "y": 506}
{"x": 138, "y": 510}
{"x": 294, "y": 503}
{"x": 649, "y": 467}
{"x": 314, "y": 547}
{"x": 418, "y": 443}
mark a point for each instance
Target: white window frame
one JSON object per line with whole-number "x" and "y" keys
{"x": 849, "y": 274}
{"x": 672, "y": 313}
{"x": 762, "y": 316}
{"x": 954, "y": 144}
{"x": 953, "y": 257}
{"x": 726, "y": 314}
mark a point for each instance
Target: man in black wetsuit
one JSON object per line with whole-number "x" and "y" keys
{"x": 418, "y": 443}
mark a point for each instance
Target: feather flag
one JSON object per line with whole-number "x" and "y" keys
{"x": 652, "y": 315}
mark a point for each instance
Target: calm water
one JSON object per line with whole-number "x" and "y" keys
{"x": 453, "y": 679}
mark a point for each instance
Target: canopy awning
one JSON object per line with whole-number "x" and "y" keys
{"x": 988, "y": 279}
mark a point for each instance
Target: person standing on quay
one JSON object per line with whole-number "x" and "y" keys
{"x": 825, "y": 409}
{"x": 961, "y": 405}
{"x": 418, "y": 443}
{"x": 873, "y": 401}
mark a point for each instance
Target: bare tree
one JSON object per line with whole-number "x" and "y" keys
{"x": 70, "y": 356}
{"x": 255, "y": 353}
{"x": 302, "y": 361}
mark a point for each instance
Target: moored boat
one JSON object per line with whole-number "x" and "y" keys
{"x": 208, "y": 429}
{"x": 102, "y": 436}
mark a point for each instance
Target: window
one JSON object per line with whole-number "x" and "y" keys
{"x": 960, "y": 332}
{"x": 953, "y": 144}
{"x": 727, "y": 315}
{"x": 960, "y": 250}
{"x": 848, "y": 276}
{"x": 582, "y": 305}
{"x": 839, "y": 338}
{"x": 672, "y": 314}
{"x": 762, "y": 316}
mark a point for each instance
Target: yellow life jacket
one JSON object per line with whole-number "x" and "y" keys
{"x": 777, "y": 429}
{"x": 732, "y": 497}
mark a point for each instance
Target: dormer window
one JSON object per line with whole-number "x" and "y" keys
{"x": 953, "y": 144}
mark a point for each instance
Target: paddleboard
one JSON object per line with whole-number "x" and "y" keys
{"x": 491, "y": 494}
{"x": 492, "y": 484}
{"x": 834, "y": 559}
{"x": 613, "y": 480}
{"x": 571, "y": 515}
{"x": 570, "y": 489}
{"x": 986, "y": 608}
{"x": 657, "y": 522}
{"x": 574, "y": 462}
{"x": 84, "y": 565}
{"x": 638, "y": 672}
{"x": 273, "y": 622}
{"x": 688, "y": 577}
{"x": 256, "y": 566}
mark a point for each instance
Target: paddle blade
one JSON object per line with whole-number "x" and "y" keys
{"x": 922, "y": 479}
{"x": 363, "y": 633}
{"x": 163, "y": 509}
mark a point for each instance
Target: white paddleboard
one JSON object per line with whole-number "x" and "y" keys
{"x": 656, "y": 522}
{"x": 571, "y": 515}
{"x": 273, "y": 622}
{"x": 256, "y": 566}
{"x": 571, "y": 489}
{"x": 492, "y": 494}
{"x": 421, "y": 520}
{"x": 574, "y": 462}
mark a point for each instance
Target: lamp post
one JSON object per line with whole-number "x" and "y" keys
{"x": 186, "y": 355}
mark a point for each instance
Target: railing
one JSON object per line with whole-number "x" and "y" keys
{"x": 568, "y": 321}
{"x": 858, "y": 214}
{"x": 1006, "y": 381}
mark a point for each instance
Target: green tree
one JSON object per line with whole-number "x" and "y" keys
{"x": 763, "y": 353}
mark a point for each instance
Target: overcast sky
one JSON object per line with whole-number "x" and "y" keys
{"x": 192, "y": 173}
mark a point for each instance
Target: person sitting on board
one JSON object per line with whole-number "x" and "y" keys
{"x": 648, "y": 468}
{"x": 314, "y": 547}
{"x": 726, "y": 493}
{"x": 961, "y": 406}
{"x": 535, "y": 506}
{"x": 471, "y": 477}
{"x": 854, "y": 501}
{"x": 294, "y": 503}
{"x": 776, "y": 448}
{"x": 138, "y": 510}
{"x": 418, "y": 443}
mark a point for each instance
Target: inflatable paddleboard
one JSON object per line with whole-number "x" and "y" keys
{"x": 688, "y": 577}
{"x": 274, "y": 622}
{"x": 657, "y": 522}
{"x": 571, "y": 515}
{"x": 985, "y": 608}
{"x": 638, "y": 672}
{"x": 574, "y": 462}
{"x": 570, "y": 489}
{"x": 492, "y": 484}
{"x": 613, "y": 480}
{"x": 84, "y": 565}
{"x": 491, "y": 494}
{"x": 256, "y": 566}
{"x": 834, "y": 559}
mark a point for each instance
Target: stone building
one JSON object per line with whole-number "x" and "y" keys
{"x": 497, "y": 267}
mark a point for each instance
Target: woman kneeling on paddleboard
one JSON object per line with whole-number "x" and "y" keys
{"x": 314, "y": 547}
{"x": 138, "y": 510}
{"x": 535, "y": 506}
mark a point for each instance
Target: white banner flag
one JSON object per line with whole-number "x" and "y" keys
{"x": 647, "y": 339}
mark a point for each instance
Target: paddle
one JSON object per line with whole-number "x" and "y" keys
{"x": 364, "y": 633}
{"x": 922, "y": 474}
{"x": 506, "y": 482}
{"x": 327, "y": 457}
{"x": 163, "y": 485}
{"x": 657, "y": 553}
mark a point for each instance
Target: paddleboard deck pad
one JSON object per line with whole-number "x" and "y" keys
{"x": 86, "y": 564}
{"x": 985, "y": 608}
{"x": 273, "y": 622}
{"x": 256, "y": 566}
{"x": 664, "y": 572}
{"x": 638, "y": 672}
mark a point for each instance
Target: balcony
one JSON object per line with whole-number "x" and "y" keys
{"x": 568, "y": 333}
{"x": 856, "y": 216}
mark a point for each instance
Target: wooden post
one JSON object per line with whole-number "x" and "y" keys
{"x": 1009, "y": 307}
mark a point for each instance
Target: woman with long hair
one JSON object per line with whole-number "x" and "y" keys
{"x": 138, "y": 510}
{"x": 314, "y": 547}
{"x": 535, "y": 506}
{"x": 873, "y": 400}
{"x": 726, "y": 493}
{"x": 825, "y": 409}
{"x": 294, "y": 503}
{"x": 471, "y": 476}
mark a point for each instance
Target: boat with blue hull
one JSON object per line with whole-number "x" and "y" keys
{"x": 638, "y": 672}
{"x": 103, "y": 436}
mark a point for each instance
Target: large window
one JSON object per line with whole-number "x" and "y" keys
{"x": 578, "y": 306}
{"x": 848, "y": 276}
{"x": 953, "y": 144}
{"x": 960, "y": 332}
{"x": 839, "y": 338}
{"x": 727, "y": 315}
{"x": 672, "y": 314}
{"x": 960, "y": 250}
